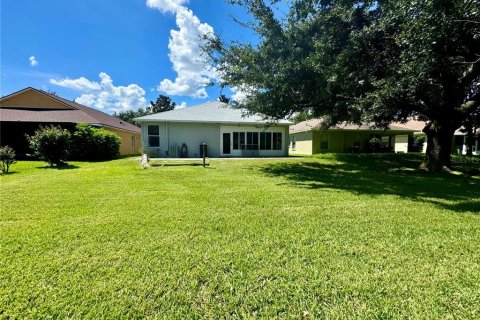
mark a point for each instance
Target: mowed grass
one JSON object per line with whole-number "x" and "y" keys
{"x": 333, "y": 236}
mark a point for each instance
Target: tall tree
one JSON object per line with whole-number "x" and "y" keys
{"x": 162, "y": 104}
{"x": 361, "y": 61}
{"x": 129, "y": 115}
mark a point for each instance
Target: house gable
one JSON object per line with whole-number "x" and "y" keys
{"x": 32, "y": 99}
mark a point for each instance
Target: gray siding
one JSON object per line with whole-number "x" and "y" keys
{"x": 192, "y": 134}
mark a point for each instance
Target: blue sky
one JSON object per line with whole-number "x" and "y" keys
{"x": 111, "y": 54}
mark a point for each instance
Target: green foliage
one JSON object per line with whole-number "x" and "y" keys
{"x": 416, "y": 143}
{"x": 223, "y": 98}
{"x": 301, "y": 116}
{"x": 93, "y": 144}
{"x": 50, "y": 144}
{"x": 111, "y": 240}
{"x": 373, "y": 144}
{"x": 129, "y": 115}
{"x": 162, "y": 104}
{"x": 7, "y": 158}
{"x": 361, "y": 61}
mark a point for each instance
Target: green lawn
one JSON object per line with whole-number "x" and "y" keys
{"x": 343, "y": 236}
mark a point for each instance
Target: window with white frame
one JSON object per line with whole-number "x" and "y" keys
{"x": 277, "y": 140}
{"x": 252, "y": 140}
{"x": 257, "y": 140}
{"x": 265, "y": 141}
{"x": 153, "y": 136}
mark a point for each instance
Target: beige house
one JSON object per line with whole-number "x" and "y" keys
{"x": 308, "y": 138}
{"x": 24, "y": 111}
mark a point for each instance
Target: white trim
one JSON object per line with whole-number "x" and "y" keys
{"x": 245, "y": 129}
{"x": 221, "y": 144}
{"x": 263, "y": 124}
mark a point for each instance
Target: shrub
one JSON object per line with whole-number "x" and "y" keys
{"x": 373, "y": 144}
{"x": 7, "y": 158}
{"x": 50, "y": 144}
{"x": 91, "y": 144}
{"x": 415, "y": 144}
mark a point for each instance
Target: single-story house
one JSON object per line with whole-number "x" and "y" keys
{"x": 226, "y": 131}
{"x": 308, "y": 137}
{"x": 24, "y": 111}
{"x": 459, "y": 145}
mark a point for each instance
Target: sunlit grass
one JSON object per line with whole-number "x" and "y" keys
{"x": 335, "y": 236}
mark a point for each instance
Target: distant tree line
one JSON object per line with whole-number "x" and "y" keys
{"x": 162, "y": 104}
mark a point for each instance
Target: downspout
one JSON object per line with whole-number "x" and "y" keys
{"x": 143, "y": 136}
{"x": 167, "y": 136}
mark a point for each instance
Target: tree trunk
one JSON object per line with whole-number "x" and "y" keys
{"x": 470, "y": 140}
{"x": 439, "y": 147}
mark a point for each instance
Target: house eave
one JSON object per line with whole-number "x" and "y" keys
{"x": 139, "y": 120}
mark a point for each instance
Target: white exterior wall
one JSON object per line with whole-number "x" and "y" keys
{"x": 401, "y": 143}
{"x": 176, "y": 133}
{"x": 194, "y": 134}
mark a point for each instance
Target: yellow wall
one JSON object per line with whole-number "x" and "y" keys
{"x": 335, "y": 141}
{"x": 303, "y": 143}
{"x": 126, "y": 146}
{"x": 32, "y": 99}
{"x": 339, "y": 141}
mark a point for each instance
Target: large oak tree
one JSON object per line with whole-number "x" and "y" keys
{"x": 361, "y": 61}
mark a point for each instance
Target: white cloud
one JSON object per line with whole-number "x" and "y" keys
{"x": 104, "y": 95}
{"x": 188, "y": 60}
{"x": 182, "y": 105}
{"x": 33, "y": 61}
{"x": 165, "y": 6}
{"x": 81, "y": 84}
{"x": 241, "y": 93}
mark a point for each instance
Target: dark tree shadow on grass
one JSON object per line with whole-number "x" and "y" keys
{"x": 8, "y": 173}
{"x": 60, "y": 167}
{"x": 387, "y": 174}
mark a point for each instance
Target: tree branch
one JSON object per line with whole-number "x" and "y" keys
{"x": 467, "y": 21}
{"x": 470, "y": 74}
{"x": 470, "y": 105}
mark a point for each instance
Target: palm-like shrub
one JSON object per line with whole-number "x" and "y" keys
{"x": 7, "y": 158}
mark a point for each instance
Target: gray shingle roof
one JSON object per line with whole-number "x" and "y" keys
{"x": 210, "y": 112}
{"x": 315, "y": 124}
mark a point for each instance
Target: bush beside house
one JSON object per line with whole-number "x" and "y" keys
{"x": 50, "y": 144}
{"x": 55, "y": 145}
{"x": 94, "y": 144}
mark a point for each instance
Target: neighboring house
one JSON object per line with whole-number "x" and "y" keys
{"x": 25, "y": 111}
{"x": 226, "y": 131}
{"x": 308, "y": 138}
{"x": 459, "y": 145}
{"x": 460, "y": 142}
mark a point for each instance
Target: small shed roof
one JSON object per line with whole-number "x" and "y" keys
{"x": 210, "y": 112}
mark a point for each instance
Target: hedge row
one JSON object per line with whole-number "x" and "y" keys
{"x": 56, "y": 145}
